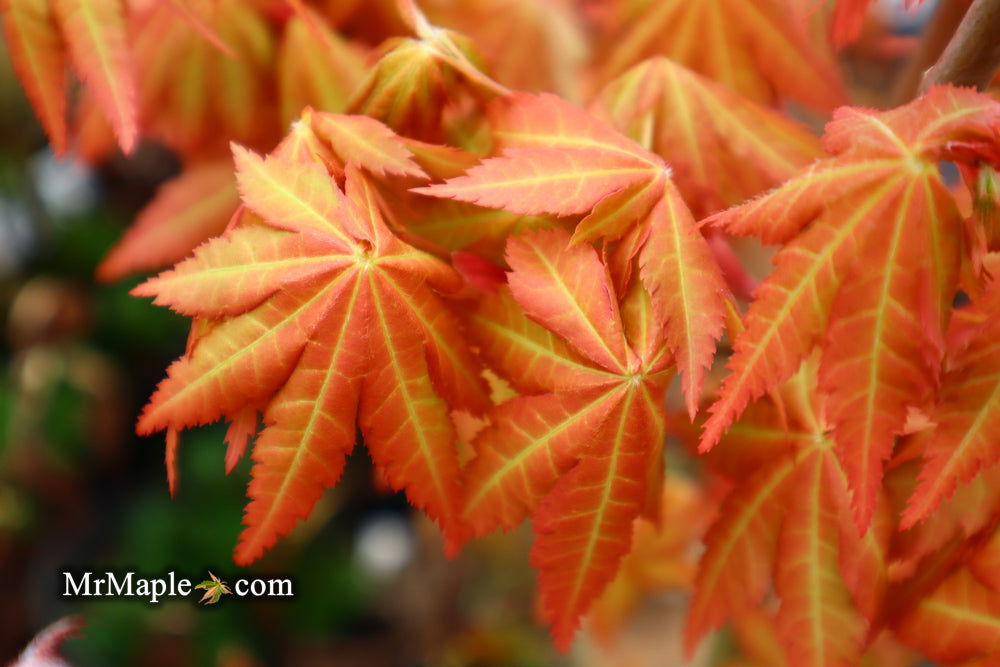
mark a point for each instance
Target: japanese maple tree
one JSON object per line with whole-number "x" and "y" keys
{"x": 485, "y": 239}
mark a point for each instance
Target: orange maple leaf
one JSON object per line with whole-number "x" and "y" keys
{"x": 868, "y": 273}
{"x": 558, "y": 159}
{"x": 787, "y": 523}
{"x": 326, "y": 322}
{"x": 761, "y": 48}
{"x": 584, "y": 457}
{"x": 708, "y": 133}
{"x": 199, "y": 203}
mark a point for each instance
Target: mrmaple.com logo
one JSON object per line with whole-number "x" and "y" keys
{"x": 155, "y": 589}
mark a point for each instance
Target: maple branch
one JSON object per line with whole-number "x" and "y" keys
{"x": 973, "y": 55}
{"x": 940, "y": 29}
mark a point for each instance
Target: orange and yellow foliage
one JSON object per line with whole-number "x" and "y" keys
{"x": 381, "y": 211}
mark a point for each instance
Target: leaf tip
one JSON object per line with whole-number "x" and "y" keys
{"x": 434, "y": 190}
{"x": 170, "y": 458}
{"x": 454, "y": 539}
{"x": 711, "y": 433}
{"x": 128, "y": 136}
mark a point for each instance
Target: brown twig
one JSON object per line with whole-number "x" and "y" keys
{"x": 973, "y": 55}
{"x": 940, "y": 29}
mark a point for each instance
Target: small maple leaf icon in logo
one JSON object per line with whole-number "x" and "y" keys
{"x": 215, "y": 588}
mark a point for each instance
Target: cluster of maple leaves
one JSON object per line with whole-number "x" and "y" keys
{"x": 496, "y": 288}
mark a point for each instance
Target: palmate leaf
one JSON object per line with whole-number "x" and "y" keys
{"x": 325, "y": 322}
{"x": 707, "y": 132}
{"x": 557, "y": 159}
{"x": 759, "y": 48}
{"x": 788, "y": 522}
{"x": 867, "y": 273}
{"x": 576, "y": 453}
{"x": 215, "y": 588}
